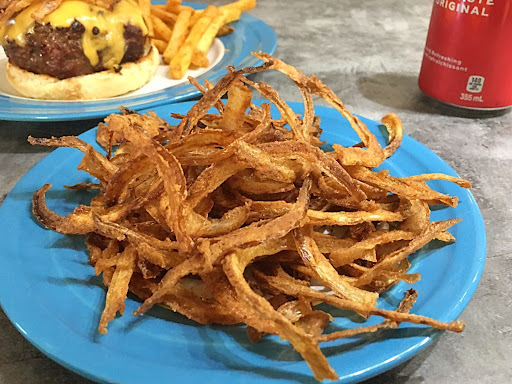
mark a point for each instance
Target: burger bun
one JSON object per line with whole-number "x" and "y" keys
{"x": 99, "y": 85}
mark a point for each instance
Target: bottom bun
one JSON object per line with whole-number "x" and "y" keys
{"x": 97, "y": 85}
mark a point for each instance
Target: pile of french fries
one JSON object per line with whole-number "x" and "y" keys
{"x": 184, "y": 35}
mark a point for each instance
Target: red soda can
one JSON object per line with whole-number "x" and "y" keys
{"x": 468, "y": 54}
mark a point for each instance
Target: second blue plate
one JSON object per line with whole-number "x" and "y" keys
{"x": 52, "y": 296}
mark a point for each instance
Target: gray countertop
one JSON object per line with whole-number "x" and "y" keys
{"x": 370, "y": 53}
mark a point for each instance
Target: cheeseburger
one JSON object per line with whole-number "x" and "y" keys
{"x": 76, "y": 49}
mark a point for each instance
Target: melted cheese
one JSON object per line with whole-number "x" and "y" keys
{"x": 108, "y": 26}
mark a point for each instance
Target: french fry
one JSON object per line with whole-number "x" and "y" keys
{"x": 173, "y": 6}
{"x": 231, "y": 14}
{"x": 199, "y": 56}
{"x": 233, "y": 10}
{"x": 179, "y": 33}
{"x": 244, "y": 5}
{"x": 181, "y": 61}
{"x": 145, "y": 6}
{"x": 199, "y": 59}
{"x": 160, "y": 29}
{"x": 160, "y": 45}
{"x": 196, "y": 16}
{"x": 164, "y": 15}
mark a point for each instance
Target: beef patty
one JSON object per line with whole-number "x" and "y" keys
{"x": 58, "y": 52}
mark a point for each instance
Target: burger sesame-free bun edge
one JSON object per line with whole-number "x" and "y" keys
{"x": 99, "y": 85}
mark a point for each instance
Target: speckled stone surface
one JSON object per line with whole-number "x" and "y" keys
{"x": 370, "y": 53}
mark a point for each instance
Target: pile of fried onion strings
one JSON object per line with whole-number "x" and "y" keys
{"x": 238, "y": 217}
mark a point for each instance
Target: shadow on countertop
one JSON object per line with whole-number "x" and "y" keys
{"x": 14, "y": 134}
{"x": 400, "y": 91}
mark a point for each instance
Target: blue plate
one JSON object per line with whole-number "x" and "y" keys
{"x": 52, "y": 296}
{"x": 250, "y": 35}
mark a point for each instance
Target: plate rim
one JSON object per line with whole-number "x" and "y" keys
{"x": 368, "y": 373}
